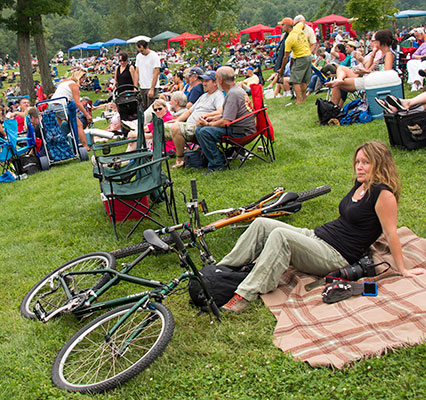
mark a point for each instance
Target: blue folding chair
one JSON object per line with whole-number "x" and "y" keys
{"x": 5, "y": 155}
{"x": 19, "y": 144}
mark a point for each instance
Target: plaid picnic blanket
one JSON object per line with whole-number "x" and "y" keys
{"x": 336, "y": 334}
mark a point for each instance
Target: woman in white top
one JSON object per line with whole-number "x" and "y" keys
{"x": 70, "y": 89}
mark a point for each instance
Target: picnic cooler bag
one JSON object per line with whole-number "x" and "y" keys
{"x": 381, "y": 84}
{"x": 121, "y": 210}
{"x": 407, "y": 129}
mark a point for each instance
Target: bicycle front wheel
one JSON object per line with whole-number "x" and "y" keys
{"x": 92, "y": 361}
{"x": 49, "y": 291}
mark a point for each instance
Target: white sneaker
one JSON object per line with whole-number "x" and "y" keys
{"x": 130, "y": 125}
{"x": 414, "y": 87}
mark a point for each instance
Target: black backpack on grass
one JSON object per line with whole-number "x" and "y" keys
{"x": 327, "y": 110}
{"x": 221, "y": 282}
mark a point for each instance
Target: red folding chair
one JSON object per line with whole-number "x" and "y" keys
{"x": 263, "y": 136}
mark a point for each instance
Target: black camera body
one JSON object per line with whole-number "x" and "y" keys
{"x": 365, "y": 267}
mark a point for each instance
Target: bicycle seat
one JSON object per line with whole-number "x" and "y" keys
{"x": 152, "y": 238}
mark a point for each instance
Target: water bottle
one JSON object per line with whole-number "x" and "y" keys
{"x": 22, "y": 177}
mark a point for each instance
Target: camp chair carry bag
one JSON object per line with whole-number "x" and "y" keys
{"x": 27, "y": 164}
{"x": 407, "y": 129}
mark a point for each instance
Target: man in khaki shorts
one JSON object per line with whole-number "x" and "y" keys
{"x": 183, "y": 129}
{"x": 300, "y": 71}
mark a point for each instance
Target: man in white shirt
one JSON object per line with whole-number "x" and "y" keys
{"x": 148, "y": 70}
{"x": 339, "y": 38}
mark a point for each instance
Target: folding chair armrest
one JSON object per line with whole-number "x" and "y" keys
{"x": 229, "y": 124}
{"x": 124, "y": 156}
{"x": 100, "y": 146}
{"x": 113, "y": 175}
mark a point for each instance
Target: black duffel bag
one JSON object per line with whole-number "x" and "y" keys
{"x": 27, "y": 164}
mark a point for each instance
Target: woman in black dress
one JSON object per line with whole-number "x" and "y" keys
{"x": 125, "y": 74}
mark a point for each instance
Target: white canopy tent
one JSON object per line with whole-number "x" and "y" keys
{"x": 137, "y": 38}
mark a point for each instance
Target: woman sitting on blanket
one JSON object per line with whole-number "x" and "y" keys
{"x": 369, "y": 209}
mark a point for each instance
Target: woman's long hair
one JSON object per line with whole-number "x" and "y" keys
{"x": 77, "y": 75}
{"x": 383, "y": 167}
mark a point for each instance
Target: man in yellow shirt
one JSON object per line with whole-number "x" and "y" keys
{"x": 300, "y": 72}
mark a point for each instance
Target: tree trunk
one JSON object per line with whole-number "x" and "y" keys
{"x": 25, "y": 67}
{"x": 24, "y": 54}
{"x": 43, "y": 61}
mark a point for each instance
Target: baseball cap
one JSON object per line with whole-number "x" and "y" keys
{"x": 209, "y": 75}
{"x": 286, "y": 21}
{"x": 352, "y": 44}
{"x": 251, "y": 68}
{"x": 196, "y": 70}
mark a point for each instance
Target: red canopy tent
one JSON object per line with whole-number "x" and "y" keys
{"x": 184, "y": 37}
{"x": 257, "y": 31}
{"x": 333, "y": 19}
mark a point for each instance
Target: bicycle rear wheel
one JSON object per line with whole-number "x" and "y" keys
{"x": 142, "y": 246}
{"x": 93, "y": 362}
{"x": 50, "y": 292}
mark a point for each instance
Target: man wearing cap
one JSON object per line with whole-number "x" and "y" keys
{"x": 195, "y": 84}
{"x": 307, "y": 30}
{"x": 211, "y": 129}
{"x": 208, "y": 105}
{"x": 300, "y": 72}
{"x": 252, "y": 79}
{"x": 148, "y": 70}
{"x": 288, "y": 22}
{"x": 351, "y": 51}
{"x": 85, "y": 101}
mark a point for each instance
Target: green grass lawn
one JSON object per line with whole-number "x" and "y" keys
{"x": 56, "y": 215}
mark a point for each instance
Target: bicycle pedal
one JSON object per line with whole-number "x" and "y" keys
{"x": 39, "y": 311}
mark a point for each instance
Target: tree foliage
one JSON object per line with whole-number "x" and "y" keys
{"x": 371, "y": 14}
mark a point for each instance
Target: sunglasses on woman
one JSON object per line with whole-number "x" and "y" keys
{"x": 157, "y": 109}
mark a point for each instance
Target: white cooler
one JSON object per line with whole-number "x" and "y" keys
{"x": 381, "y": 84}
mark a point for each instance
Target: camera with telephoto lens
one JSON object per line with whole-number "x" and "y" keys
{"x": 362, "y": 268}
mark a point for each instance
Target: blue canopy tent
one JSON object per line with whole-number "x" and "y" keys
{"x": 81, "y": 47}
{"x": 410, "y": 14}
{"x": 114, "y": 42}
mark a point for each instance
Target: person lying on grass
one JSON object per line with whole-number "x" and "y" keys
{"x": 369, "y": 209}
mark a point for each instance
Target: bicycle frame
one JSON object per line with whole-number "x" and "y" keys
{"x": 81, "y": 306}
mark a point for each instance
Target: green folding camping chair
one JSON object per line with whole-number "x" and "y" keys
{"x": 142, "y": 176}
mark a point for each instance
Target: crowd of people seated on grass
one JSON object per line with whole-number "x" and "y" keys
{"x": 340, "y": 56}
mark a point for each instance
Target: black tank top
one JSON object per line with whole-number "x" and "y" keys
{"x": 124, "y": 78}
{"x": 358, "y": 225}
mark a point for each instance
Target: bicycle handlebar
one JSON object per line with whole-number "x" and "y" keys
{"x": 178, "y": 241}
{"x": 194, "y": 189}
